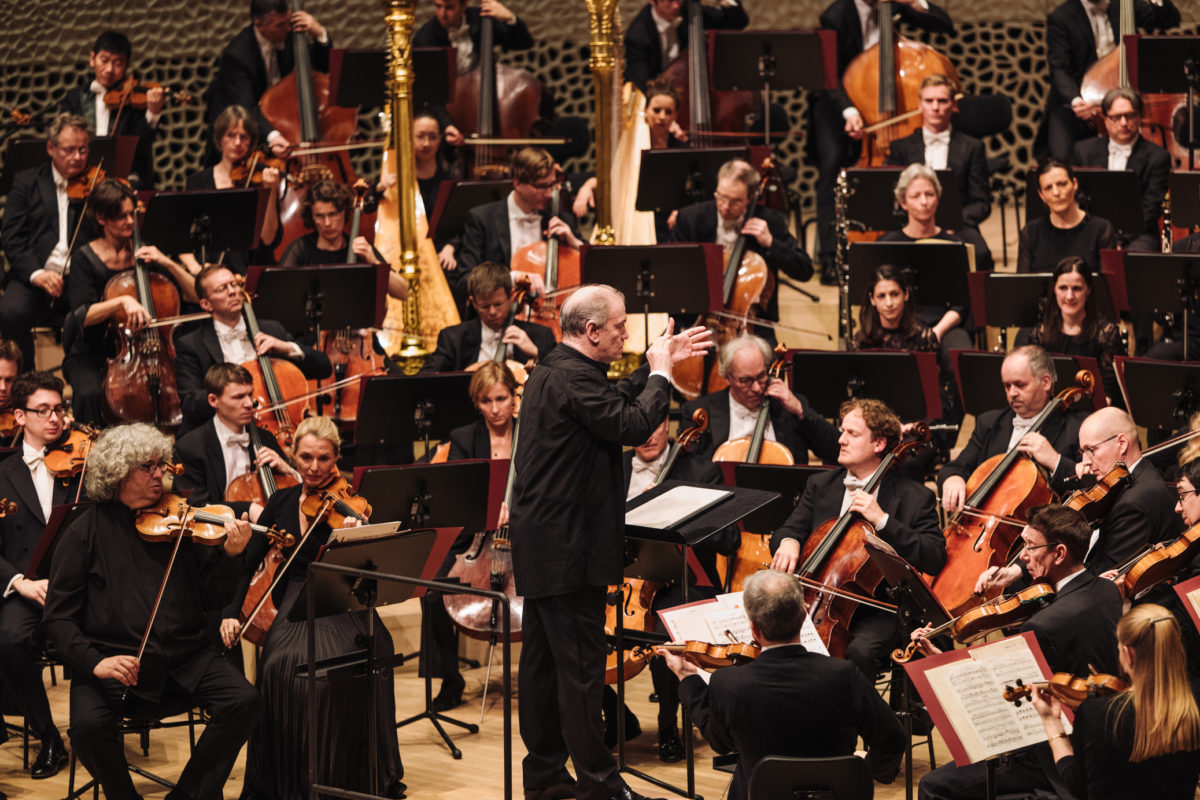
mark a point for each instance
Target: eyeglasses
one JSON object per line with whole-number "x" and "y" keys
{"x": 1025, "y": 548}
{"x": 1128, "y": 116}
{"x": 729, "y": 201}
{"x": 746, "y": 383}
{"x": 151, "y": 467}
{"x": 1185, "y": 493}
{"x": 44, "y": 413}
{"x": 1090, "y": 450}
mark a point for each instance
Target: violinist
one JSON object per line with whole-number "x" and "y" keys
{"x": 903, "y": 513}
{"x": 725, "y": 217}
{"x": 788, "y": 701}
{"x": 38, "y": 407}
{"x": 1144, "y": 741}
{"x": 732, "y": 412}
{"x": 277, "y": 758}
{"x": 224, "y": 339}
{"x": 490, "y": 293}
{"x": 659, "y": 34}
{"x": 37, "y": 234}
{"x": 11, "y": 365}
{"x": 1067, "y": 230}
{"x": 108, "y": 61}
{"x": 113, "y": 213}
{"x": 1029, "y": 376}
{"x": 325, "y": 213}
{"x": 1075, "y": 632}
{"x": 259, "y": 57}
{"x": 235, "y": 134}
{"x": 103, "y": 582}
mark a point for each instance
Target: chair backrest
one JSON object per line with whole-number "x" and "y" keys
{"x": 983, "y": 115}
{"x": 782, "y": 778}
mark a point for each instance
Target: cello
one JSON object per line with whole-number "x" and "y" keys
{"x": 756, "y": 448}
{"x": 1000, "y": 493}
{"x": 558, "y": 267}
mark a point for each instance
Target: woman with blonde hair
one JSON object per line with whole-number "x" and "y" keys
{"x": 1143, "y": 742}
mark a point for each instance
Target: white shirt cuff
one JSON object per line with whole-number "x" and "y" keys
{"x": 1077, "y": 101}
{"x": 297, "y": 351}
{"x": 847, "y": 113}
{"x": 9, "y": 589}
{"x": 36, "y": 272}
{"x": 152, "y": 118}
{"x": 274, "y": 137}
{"x": 324, "y": 37}
{"x": 882, "y": 523}
{"x": 921, "y": 4}
{"x": 666, "y": 375}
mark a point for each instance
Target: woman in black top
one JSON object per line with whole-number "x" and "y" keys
{"x": 325, "y": 212}
{"x": 1067, "y": 230}
{"x": 1143, "y": 742}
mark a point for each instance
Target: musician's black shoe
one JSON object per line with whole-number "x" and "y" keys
{"x": 629, "y": 794}
{"x": 670, "y": 749}
{"x": 450, "y": 695}
{"x": 829, "y": 275}
{"x": 559, "y": 791}
{"x": 50, "y": 759}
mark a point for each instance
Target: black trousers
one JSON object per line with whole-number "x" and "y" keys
{"x": 833, "y": 149}
{"x": 21, "y": 639}
{"x": 86, "y": 376}
{"x": 874, "y": 634}
{"x": 22, "y": 307}
{"x": 1060, "y": 130}
{"x": 1026, "y": 770}
{"x": 96, "y": 712}
{"x": 561, "y": 682}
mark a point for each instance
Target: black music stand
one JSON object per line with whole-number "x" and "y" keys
{"x": 672, "y": 178}
{"x": 1102, "y": 193}
{"x": 1170, "y": 65}
{"x": 1162, "y": 394}
{"x": 936, "y": 272}
{"x": 686, "y": 535}
{"x": 204, "y": 221}
{"x": 1164, "y": 283}
{"x": 357, "y": 77}
{"x": 906, "y": 382}
{"x": 1002, "y": 299}
{"x": 456, "y": 198}
{"x": 795, "y": 59}
{"x": 1184, "y": 188}
{"x": 310, "y": 299}
{"x": 394, "y": 411}
{"x": 60, "y": 518}
{"x": 978, "y": 376}
{"x": 114, "y": 153}
{"x": 872, "y": 206}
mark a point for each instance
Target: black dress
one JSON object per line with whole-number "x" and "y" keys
{"x": 277, "y": 756}
{"x": 304, "y": 252}
{"x": 1102, "y": 347}
{"x": 237, "y": 260}
{"x": 1041, "y": 245}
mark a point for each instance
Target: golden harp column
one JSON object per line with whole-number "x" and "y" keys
{"x": 602, "y": 23}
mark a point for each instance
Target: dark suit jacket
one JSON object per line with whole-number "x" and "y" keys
{"x": 132, "y": 122}
{"x": 568, "y": 505}
{"x": 798, "y": 434}
{"x": 198, "y": 350}
{"x": 1143, "y": 514}
{"x": 29, "y": 230}
{"x": 458, "y": 345}
{"x": 470, "y": 441}
{"x": 912, "y": 526}
{"x": 967, "y": 158}
{"x": 199, "y": 450}
{"x": 790, "y": 702}
{"x": 1079, "y": 627}
{"x": 1151, "y": 163}
{"x": 992, "y": 431}
{"x": 486, "y": 238}
{"x": 21, "y": 531}
{"x": 242, "y": 75}
{"x": 643, "y": 50}
{"x": 508, "y": 37}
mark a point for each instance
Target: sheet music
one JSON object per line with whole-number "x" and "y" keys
{"x": 363, "y": 533}
{"x": 709, "y": 621}
{"x": 673, "y": 506}
{"x": 1193, "y": 598}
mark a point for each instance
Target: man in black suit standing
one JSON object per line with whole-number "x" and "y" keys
{"x": 938, "y": 146}
{"x": 659, "y": 34}
{"x": 24, "y": 479}
{"x": 788, "y": 701}
{"x": 732, "y": 412}
{"x": 1029, "y": 376}
{"x": 1079, "y": 33}
{"x": 39, "y": 228}
{"x": 225, "y": 340}
{"x": 109, "y": 60}
{"x": 833, "y": 119}
{"x": 567, "y": 534}
{"x": 259, "y": 57}
{"x": 1077, "y": 634}
{"x": 1125, "y": 149}
{"x": 724, "y": 218}
{"x": 489, "y": 290}
{"x": 901, "y": 511}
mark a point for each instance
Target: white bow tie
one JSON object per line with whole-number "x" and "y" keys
{"x": 232, "y": 334}
{"x": 937, "y": 138}
{"x": 851, "y": 483}
{"x": 238, "y": 440}
{"x": 529, "y": 219}
{"x": 1120, "y": 149}
{"x": 97, "y": 88}
{"x": 33, "y": 459}
{"x": 1100, "y": 6}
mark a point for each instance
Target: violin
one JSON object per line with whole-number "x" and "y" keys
{"x": 714, "y": 656}
{"x": 632, "y": 600}
{"x": 172, "y": 516}
{"x": 80, "y": 187}
{"x": 1097, "y": 500}
{"x": 756, "y": 449}
{"x": 66, "y": 457}
{"x": 132, "y": 94}
{"x": 7, "y": 507}
{"x": 249, "y": 172}
{"x": 1157, "y": 563}
{"x": 19, "y": 118}
{"x": 8, "y": 424}
{"x": 334, "y": 503}
{"x": 1070, "y": 690}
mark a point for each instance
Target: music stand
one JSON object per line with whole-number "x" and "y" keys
{"x": 315, "y": 298}
{"x": 906, "y": 382}
{"x": 978, "y": 377}
{"x": 356, "y": 77}
{"x": 1102, "y": 193}
{"x": 1162, "y": 394}
{"x": 114, "y": 153}
{"x": 1171, "y": 65}
{"x": 797, "y": 59}
{"x": 1002, "y": 299}
{"x": 671, "y": 178}
{"x": 394, "y": 411}
{"x": 1167, "y": 283}
{"x": 936, "y": 272}
{"x": 207, "y": 220}
{"x": 1184, "y": 190}
{"x": 871, "y": 204}
{"x": 456, "y": 198}
{"x": 433, "y": 495}
{"x": 60, "y": 518}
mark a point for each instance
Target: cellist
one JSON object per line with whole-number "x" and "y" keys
{"x": 904, "y": 514}
{"x": 656, "y": 36}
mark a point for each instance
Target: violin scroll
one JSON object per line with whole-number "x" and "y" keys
{"x": 7, "y": 507}
{"x": 688, "y": 437}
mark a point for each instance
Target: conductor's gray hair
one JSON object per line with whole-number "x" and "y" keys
{"x": 119, "y": 451}
{"x": 735, "y": 346}
{"x": 589, "y": 303}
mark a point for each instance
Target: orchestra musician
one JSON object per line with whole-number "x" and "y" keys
{"x": 833, "y": 118}
{"x": 938, "y": 145}
{"x": 567, "y": 536}
{"x": 1028, "y": 376}
{"x": 1066, "y": 230}
{"x": 903, "y": 513}
{"x": 103, "y": 582}
{"x": 224, "y": 339}
{"x": 432, "y": 169}
{"x": 1144, "y": 741}
{"x": 38, "y": 408}
{"x": 788, "y": 701}
{"x": 733, "y": 411}
{"x": 1079, "y": 33}
{"x": 39, "y": 227}
{"x": 489, "y": 291}
{"x": 658, "y": 35}
{"x": 277, "y": 760}
{"x": 112, "y": 211}
{"x": 108, "y": 61}
{"x": 11, "y": 365}
{"x": 1076, "y": 632}
{"x": 260, "y": 56}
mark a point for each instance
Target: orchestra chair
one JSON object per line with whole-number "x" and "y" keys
{"x": 48, "y": 658}
{"x": 984, "y": 116}
{"x": 840, "y": 778}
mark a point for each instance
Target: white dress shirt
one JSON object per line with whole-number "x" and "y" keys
{"x": 1020, "y": 428}
{"x": 489, "y": 340}
{"x": 236, "y": 346}
{"x": 270, "y": 56}
{"x": 937, "y": 148}
{"x": 668, "y": 36}
{"x": 523, "y": 228}
{"x": 1118, "y": 154}
{"x": 742, "y": 421}
{"x": 234, "y": 450}
{"x": 43, "y": 483}
{"x": 1102, "y": 31}
{"x": 727, "y": 231}
{"x": 643, "y": 474}
{"x": 59, "y": 258}
{"x": 852, "y": 485}
{"x": 464, "y": 49}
